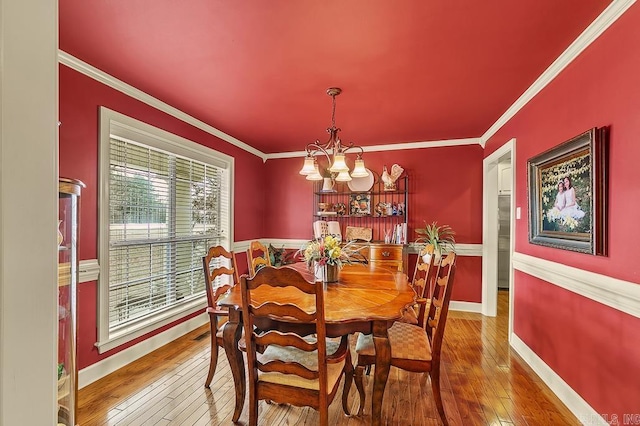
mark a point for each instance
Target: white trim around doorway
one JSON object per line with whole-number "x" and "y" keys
{"x": 490, "y": 231}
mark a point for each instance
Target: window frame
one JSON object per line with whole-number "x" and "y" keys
{"x": 124, "y": 127}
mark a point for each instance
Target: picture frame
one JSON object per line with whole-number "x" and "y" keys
{"x": 360, "y": 204}
{"x": 567, "y": 192}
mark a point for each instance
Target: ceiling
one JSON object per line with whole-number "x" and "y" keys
{"x": 410, "y": 70}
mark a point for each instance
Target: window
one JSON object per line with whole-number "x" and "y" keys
{"x": 164, "y": 200}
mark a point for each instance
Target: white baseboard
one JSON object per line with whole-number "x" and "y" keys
{"x": 108, "y": 365}
{"x": 466, "y": 306}
{"x": 574, "y": 402}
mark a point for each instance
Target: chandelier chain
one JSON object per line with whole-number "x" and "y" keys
{"x": 334, "y": 151}
{"x": 333, "y": 112}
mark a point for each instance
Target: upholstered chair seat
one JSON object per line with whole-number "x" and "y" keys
{"x": 407, "y": 341}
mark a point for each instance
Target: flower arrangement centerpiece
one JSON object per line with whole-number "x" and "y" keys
{"x": 327, "y": 256}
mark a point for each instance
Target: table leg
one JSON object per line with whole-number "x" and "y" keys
{"x": 383, "y": 365}
{"x": 231, "y": 336}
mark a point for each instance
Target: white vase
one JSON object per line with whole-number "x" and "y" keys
{"x": 327, "y": 184}
{"x": 60, "y": 236}
{"x": 426, "y": 258}
{"x": 318, "y": 272}
{"x": 326, "y": 273}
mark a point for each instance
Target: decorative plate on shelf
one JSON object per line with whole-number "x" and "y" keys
{"x": 361, "y": 184}
{"x": 360, "y": 205}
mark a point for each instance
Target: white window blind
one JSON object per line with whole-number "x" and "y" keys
{"x": 164, "y": 210}
{"x": 164, "y": 214}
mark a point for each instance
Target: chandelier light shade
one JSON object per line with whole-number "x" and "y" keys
{"x": 359, "y": 170}
{"x": 309, "y": 166}
{"x": 339, "y": 163}
{"x": 334, "y": 151}
{"x": 343, "y": 176}
{"x": 315, "y": 174}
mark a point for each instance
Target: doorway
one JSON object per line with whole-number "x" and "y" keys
{"x": 504, "y": 221}
{"x": 498, "y": 220}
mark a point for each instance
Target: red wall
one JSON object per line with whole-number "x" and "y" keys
{"x": 270, "y": 208}
{"x": 80, "y": 99}
{"x": 445, "y": 185}
{"x": 586, "y": 343}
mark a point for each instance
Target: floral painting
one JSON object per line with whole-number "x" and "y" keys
{"x": 567, "y": 195}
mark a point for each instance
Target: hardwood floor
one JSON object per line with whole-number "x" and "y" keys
{"x": 483, "y": 383}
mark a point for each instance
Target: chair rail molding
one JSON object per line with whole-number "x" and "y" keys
{"x": 461, "y": 249}
{"x": 89, "y": 270}
{"x": 618, "y": 294}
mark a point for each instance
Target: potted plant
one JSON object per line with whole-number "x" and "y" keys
{"x": 440, "y": 237}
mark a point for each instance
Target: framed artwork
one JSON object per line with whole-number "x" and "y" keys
{"x": 568, "y": 194}
{"x": 360, "y": 205}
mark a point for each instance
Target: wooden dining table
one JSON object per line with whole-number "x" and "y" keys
{"x": 366, "y": 299}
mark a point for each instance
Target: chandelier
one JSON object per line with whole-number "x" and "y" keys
{"x": 334, "y": 151}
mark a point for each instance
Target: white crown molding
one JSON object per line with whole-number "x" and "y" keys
{"x": 618, "y": 294}
{"x": 88, "y": 270}
{"x": 388, "y": 147}
{"x": 588, "y": 36}
{"x": 118, "y": 360}
{"x": 574, "y": 402}
{"x": 591, "y": 33}
{"x": 119, "y": 85}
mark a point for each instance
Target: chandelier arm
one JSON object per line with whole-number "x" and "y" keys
{"x": 315, "y": 148}
{"x": 353, "y": 146}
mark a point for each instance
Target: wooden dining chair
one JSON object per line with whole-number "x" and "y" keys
{"x": 413, "y": 347}
{"x": 422, "y": 284}
{"x": 302, "y": 370}
{"x": 220, "y": 274}
{"x": 257, "y": 257}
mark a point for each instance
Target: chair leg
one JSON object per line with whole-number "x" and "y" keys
{"x": 435, "y": 386}
{"x": 348, "y": 378}
{"x": 324, "y": 415}
{"x": 253, "y": 406}
{"x": 213, "y": 363}
{"x": 360, "y": 386}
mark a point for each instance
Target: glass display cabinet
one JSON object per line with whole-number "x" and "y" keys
{"x": 68, "y": 199}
